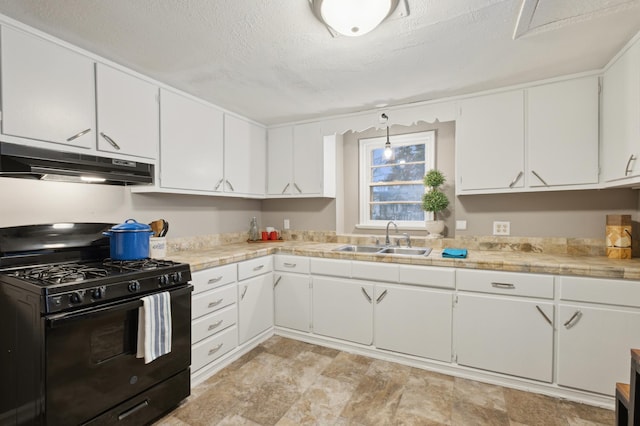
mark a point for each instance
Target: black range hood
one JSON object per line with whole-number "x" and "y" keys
{"x": 21, "y": 161}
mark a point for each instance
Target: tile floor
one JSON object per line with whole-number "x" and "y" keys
{"x": 286, "y": 382}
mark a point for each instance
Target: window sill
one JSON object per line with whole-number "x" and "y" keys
{"x": 400, "y": 227}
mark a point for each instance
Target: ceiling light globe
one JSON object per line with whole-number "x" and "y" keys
{"x": 354, "y": 17}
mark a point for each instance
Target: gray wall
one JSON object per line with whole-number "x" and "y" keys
{"x": 317, "y": 214}
{"x": 26, "y": 202}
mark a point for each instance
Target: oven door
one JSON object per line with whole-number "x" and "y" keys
{"x": 91, "y": 363}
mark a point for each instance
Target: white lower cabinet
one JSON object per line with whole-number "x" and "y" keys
{"x": 343, "y": 309}
{"x": 505, "y": 335}
{"x": 255, "y": 306}
{"x": 598, "y": 323}
{"x": 413, "y": 320}
{"x": 212, "y": 348}
{"x": 292, "y": 299}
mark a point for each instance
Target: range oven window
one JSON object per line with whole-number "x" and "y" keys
{"x": 113, "y": 339}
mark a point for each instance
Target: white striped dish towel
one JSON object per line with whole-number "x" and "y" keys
{"x": 154, "y": 326}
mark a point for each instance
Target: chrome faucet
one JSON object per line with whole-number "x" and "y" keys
{"x": 387, "y": 241}
{"x": 408, "y": 238}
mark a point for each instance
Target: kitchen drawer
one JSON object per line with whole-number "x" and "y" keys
{"x": 507, "y": 283}
{"x": 428, "y": 276}
{"x": 296, "y": 264}
{"x": 385, "y": 272}
{"x": 255, "y": 267}
{"x": 212, "y": 348}
{"x": 210, "y": 301}
{"x": 600, "y": 290}
{"x": 331, "y": 267}
{"x": 209, "y": 279}
{"x": 213, "y": 323}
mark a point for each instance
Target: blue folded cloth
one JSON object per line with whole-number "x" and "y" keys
{"x": 454, "y": 253}
{"x": 154, "y": 326}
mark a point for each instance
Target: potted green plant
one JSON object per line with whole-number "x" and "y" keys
{"x": 434, "y": 200}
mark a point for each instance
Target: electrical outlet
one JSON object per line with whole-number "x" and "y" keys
{"x": 501, "y": 228}
{"x": 286, "y": 224}
{"x": 461, "y": 225}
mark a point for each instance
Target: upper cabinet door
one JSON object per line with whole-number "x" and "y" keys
{"x": 191, "y": 144}
{"x": 47, "y": 91}
{"x": 244, "y": 156}
{"x": 307, "y": 159}
{"x": 127, "y": 113}
{"x": 279, "y": 160}
{"x": 562, "y": 130}
{"x": 490, "y": 142}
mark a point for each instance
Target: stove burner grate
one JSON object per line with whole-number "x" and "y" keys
{"x": 137, "y": 265}
{"x": 59, "y": 274}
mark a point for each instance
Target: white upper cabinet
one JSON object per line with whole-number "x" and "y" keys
{"x": 621, "y": 117}
{"x": 127, "y": 113}
{"x": 490, "y": 142}
{"x": 544, "y": 137}
{"x": 301, "y": 162}
{"x": 191, "y": 144}
{"x": 48, "y": 91}
{"x": 244, "y": 157}
{"x": 562, "y": 133}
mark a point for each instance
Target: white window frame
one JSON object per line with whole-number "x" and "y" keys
{"x": 366, "y": 146}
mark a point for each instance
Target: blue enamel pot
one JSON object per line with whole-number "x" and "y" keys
{"x": 129, "y": 240}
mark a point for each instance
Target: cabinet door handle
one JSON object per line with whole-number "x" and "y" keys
{"x": 214, "y": 280}
{"x": 244, "y": 292}
{"x": 515, "y": 179}
{"x": 289, "y": 265}
{"x": 218, "y": 184}
{"x": 215, "y": 325}
{"x": 230, "y": 186}
{"x": 538, "y": 176}
{"x": 627, "y": 170}
{"x": 216, "y": 349}
{"x": 257, "y": 268}
{"x": 544, "y": 315}
{"x": 277, "y": 281}
{"x": 576, "y": 316}
{"x": 216, "y": 303}
{"x": 295, "y": 185}
{"x": 366, "y": 294}
{"x": 111, "y": 141}
{"x": 77, "y": 135}
{"x": 503, "y": 285}
{"x": 285, "y": 188}
{"x": 379, "y": 299}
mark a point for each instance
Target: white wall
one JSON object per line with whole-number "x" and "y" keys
{"x": 27, "y": 202}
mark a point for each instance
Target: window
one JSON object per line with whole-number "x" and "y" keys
{"x": 392, "y": 189}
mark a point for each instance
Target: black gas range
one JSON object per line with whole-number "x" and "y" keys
{"x": 68, "y": 328}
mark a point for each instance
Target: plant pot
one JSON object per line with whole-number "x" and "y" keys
{"x": 434, "y": 228}
{"x": 129, "y": 240}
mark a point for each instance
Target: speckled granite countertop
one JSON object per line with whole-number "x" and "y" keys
{"x": 557, "y": 264}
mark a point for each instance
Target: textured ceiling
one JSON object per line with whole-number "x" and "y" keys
{"x": 274, "y": 62}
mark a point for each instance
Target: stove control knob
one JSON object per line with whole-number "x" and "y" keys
{"x": 134, "y": 286}
{"x": 176, "y": 277}
{"x": 97, "y": 293}
{"x": 163, "y": 279}
{"x": 76, "y": 297}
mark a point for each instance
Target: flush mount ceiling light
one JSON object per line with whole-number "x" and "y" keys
{"x": 353, "y": 17}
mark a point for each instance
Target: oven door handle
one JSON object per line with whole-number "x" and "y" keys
{"x": 59, "y": 320}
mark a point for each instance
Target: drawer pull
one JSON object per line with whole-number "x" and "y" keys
{"x": 111, "y": 141}
{"x": 576, "y": 316}
{"x": 503, "y": 285}
{"x": 285, "y": 188}
{"x": 277, "y": 281}
{"x": 544, "y": 315}
{"x": 515, "y": 179}
{"x": 218, "y": 184}
{"x": 297, "y": 187}
{"x": 366, "y": 294}
{"x": 77, "y": 135}
{"x": 216, "y": 325}
{"x": 216, "y": 303}
{"x": 627, "y": 170}
{"x": 539, "y": 178}
{"x": 257, "y": 268}
{"x": 290, "y": 265}
{"x": 214, "y": 280}
{"x": 216, "y": 349}
{"x": 379, "y": 299}
{"x": 244, "y": 292}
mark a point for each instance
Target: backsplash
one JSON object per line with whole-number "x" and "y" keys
{"x": 551, "y": 245}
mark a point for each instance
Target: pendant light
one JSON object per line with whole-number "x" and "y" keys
{"x": 353, "y": 17}
{"x": 388, "y": 151}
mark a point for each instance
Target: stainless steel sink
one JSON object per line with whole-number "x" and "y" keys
{"x": 359, "y": 249}
{"x": 407, "y": 251}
